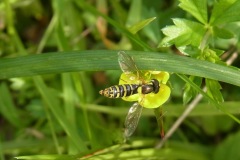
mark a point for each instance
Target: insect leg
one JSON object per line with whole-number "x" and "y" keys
{"x": 159, "y": 116}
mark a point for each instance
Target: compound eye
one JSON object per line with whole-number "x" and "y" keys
{"x": 156, "y": 85}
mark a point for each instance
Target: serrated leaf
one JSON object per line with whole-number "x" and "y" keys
{"x": 190, "y": 51}
{"x": 190, "y": 92}
{"x": 213, "y": 90}
{"x": 225, "y": 11}
{"x": 222, "y": 33}
{"x": 197, "y": 8}
{"x": 135, "y": 28}
{"x": 184, "y": 32}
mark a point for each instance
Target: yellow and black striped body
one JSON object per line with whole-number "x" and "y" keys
{"x": 125, "y": 90}
{"x": 119, "y": 91}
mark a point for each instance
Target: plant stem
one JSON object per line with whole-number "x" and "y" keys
{"x": 189, "y": 108}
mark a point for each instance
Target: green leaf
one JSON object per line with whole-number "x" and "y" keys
{"x": 190, "y": 92}
{"x": 53, "y": 104}
{"x": 225, "y": 11}
{"x": 135, "y": 28}
{"x": 219, "y": 106}
{"x": 122, "y": 29}
{"x": 210, "y": 55}
{"x": 222, "y": 33}
{"x": 7, "y": 107}
{"x": 152, "y": 30}
{"x": 218, "y": 52}
{"x": 134, "y": 14}
{"x": 213, "y": 90}
{"x": 173, "y": 110}
{"x": 94, "y": 60}
{"x": 198, "y": 8}
{"x": 190, "y": 51}
{"x": 213, "y": 125}
{"x": 229, "y": 149}
{"x": 48, "y": 157}
{"x": 183, "y": 33}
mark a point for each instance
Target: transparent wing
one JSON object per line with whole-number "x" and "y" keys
{"x": 132, "y": 119}
{"x": 126, "y": 62}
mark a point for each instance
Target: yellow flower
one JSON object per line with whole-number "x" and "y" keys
{"x": 151, "y": 100}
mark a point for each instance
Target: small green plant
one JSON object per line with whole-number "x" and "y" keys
{"x": 49, "y": 103}
{"x": 197, "y": 38}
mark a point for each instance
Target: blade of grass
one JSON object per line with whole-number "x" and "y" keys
{"x": 58, "y": 113}
{"x": 7, "y": 107}
{"x": 137, "y": 150}
{"x": 80, "y": 81}
{"x": 219, "y": 106}
{"x": 202, "y": 109}
{"x": 26, "y": 145}
{"x": 68, "y": 103}
{"x": 1, "y": 150}
{"x": 45, "y": 92}
{"x": 48, "y": 157}
{"x": 87, "y": 7}
{"x": 52, "y": 129}
{"x": 107, "y": 60}
{"x": 67, "y": 83}
{"x": 47, "y": 34}
{"x": 140, "y": 25}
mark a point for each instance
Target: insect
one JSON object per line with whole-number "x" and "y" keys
{"x": 148, "y": 88}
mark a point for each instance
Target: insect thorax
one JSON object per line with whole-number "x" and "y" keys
{"x": 151, "y": 87}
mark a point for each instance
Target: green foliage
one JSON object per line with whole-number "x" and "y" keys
{"x": 222, "y": 33}
{"x": 183, "y": 33}
{"x": 197, "y": 9}
{"x": 225, "y": 11}
{"x": 140, "y": 25}
{"x": 49, "y": 103}
{"x": 194, "y": 38}
{"x": 189, "y": 92}
{"x": 229, "y": 148}
{"x": 94, "y": 60}
{"x": 214, "y": 90}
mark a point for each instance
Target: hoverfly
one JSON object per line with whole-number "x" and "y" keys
{"x": 148, "y": 88}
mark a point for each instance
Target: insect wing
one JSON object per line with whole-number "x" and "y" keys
{"x": 126, "y": 63}
{"x": 132, "y": 119}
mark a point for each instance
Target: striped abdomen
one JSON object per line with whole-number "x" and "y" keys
{"x": 119, "y": 91}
